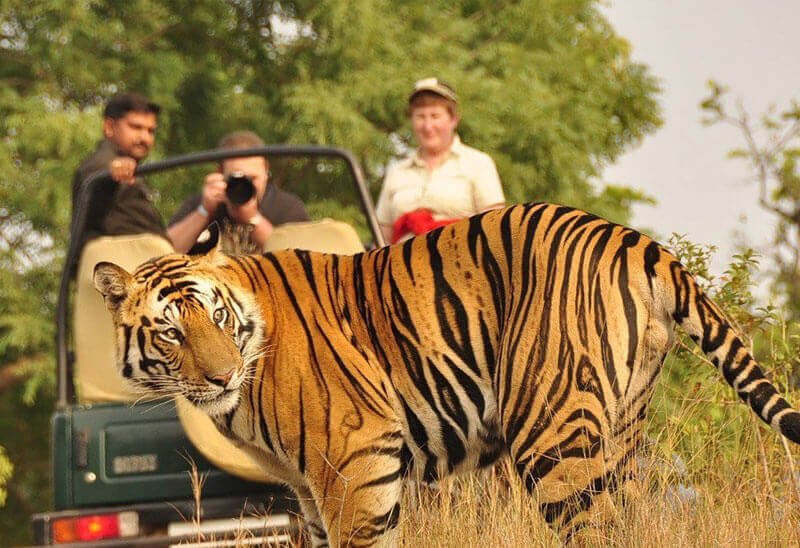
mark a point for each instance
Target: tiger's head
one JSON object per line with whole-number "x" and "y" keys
{"x": 183, "y": 327}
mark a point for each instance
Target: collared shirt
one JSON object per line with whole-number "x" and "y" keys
{"x": 465, "y": 184}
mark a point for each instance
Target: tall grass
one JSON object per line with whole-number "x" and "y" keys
{"x": 719, "y": 502}
{"x": 744, "y": 498}
{"x": 737, "y": 486}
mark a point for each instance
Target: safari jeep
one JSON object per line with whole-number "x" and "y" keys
{"x": 123, "y": 470}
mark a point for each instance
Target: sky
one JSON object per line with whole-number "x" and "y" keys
{"x": 753, "y": 47}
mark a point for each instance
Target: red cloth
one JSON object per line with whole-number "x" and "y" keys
{"x": 415, "y": 222}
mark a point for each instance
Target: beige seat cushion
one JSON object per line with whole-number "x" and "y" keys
{"x": 216, "y": 448}
{"x": 96, "y": 376}
{"x": 328, "y": 236}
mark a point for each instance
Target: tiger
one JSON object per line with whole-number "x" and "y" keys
{"x": 534, "y": 332}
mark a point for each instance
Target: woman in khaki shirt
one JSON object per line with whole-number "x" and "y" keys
{"x": 443, "y": 180}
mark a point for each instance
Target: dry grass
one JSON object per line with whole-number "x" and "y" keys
{"x": 487, "y": 511}
{"x": 724, "y": 509}
{"x": 725, "y": 491}
{"x": 735, "y": 489}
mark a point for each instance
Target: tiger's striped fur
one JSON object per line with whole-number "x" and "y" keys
{"x": 535, "y": 331}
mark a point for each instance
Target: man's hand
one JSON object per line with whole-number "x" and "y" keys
{"x": 122, "y": 169}
{"x": 248, "y": 213}
{"x": 214, "y": 192}
{"x": 243, "y": 213}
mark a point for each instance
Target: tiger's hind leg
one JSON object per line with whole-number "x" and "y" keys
{"x": 573, "y": 489}
{"x": 580, "y": 461}
{"x": 359, "y": 498}
{"x": 585, "y": 513}
{"x": 568, "y": 458}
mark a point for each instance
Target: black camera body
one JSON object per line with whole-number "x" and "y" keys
{"x": 240, "y": 188}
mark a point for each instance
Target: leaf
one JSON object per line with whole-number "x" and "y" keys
{"x": 738, "y": 153}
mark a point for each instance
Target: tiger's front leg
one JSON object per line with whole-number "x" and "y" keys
{"x": 313, "y": 521}
{"x": 359, "y": 497}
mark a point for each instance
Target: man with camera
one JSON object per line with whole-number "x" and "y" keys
{"x": 241, "y": 200}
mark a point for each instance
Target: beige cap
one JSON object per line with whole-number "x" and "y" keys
{"x": 436, "y": 86}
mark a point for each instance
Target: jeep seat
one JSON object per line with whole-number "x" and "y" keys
{"x": 96, "y": 376}
{"x": 326, "y": 235}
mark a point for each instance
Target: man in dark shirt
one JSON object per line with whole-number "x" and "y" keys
{"x": 269, "y": 206}
{"x": 121, "y": 204}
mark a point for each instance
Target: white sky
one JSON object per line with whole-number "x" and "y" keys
{"x": 751, "y": 46}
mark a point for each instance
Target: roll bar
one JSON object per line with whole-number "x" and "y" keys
{"x": 65, "y": 386}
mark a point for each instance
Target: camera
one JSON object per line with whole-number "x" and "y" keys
{"x": 240, "y": 188}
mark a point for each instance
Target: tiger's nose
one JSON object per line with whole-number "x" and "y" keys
{"x": 221, "y": 379}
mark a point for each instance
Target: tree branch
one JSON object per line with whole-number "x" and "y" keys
{"x": 761, "y": 161}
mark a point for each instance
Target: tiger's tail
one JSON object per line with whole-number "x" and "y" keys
{"x": 708, "y": 327}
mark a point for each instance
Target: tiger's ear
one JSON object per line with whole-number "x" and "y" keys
{"x": 112, "y": 282}
{"x": 208, "y": 243}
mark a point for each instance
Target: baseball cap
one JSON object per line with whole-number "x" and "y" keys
{"x": 436, "y": 86}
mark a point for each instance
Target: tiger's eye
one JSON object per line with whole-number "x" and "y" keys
{"x": 220, "y": 315}
{"x": 171, "y": 334}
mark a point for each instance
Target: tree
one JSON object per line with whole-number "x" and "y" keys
{"x": 771, "y": 149}
{"x": 547, "y": 88}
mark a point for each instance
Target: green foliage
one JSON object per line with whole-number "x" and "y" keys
{"x": 6, "y": 469}
{"x": 546, "y": 87}
{"x": 616, "y": 201}
{"x": 25, "y": 434}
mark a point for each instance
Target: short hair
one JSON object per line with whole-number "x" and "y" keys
{"x": 240, "y": 139}
{"x": 122, "y": 103}
{"x": 428, "y": 98}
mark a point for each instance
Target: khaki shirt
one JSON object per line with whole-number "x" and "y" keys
{"x": 465, "y": 184}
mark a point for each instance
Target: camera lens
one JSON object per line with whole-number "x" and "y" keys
{"x": 239, "y": 188}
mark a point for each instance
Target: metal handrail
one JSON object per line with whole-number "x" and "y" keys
{"x": 65, "y": 387}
